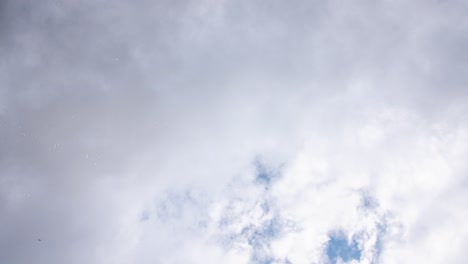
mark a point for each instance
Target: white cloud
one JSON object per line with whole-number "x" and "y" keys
{"x": 130, "y": 132}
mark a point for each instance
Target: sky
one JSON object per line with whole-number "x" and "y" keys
{"x": 233, "y": 131}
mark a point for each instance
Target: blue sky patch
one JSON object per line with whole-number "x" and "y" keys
{"x": 264, "y": 174}
{"x": 339, "y": 247}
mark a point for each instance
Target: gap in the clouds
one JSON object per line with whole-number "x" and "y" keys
{"x": 265, "y": 175}
{"x": 368, "y": 202}
{"x": 243, "y": 216}
{"x": 259, "y": 223}
{"x": 339, "y": 247}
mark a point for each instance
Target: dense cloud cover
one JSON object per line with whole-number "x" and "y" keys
{"x": 233, "y": 131}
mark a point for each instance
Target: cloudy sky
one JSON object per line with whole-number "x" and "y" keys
{"x": 233, "y": 131}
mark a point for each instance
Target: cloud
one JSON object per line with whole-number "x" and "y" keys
{"x": 232, "y": 131}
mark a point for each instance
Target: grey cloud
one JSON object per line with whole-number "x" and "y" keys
{"x": 106, "y": 105}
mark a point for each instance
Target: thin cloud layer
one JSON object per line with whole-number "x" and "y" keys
{"x": 233, "y": 131}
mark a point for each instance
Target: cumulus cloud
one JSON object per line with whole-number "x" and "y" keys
{"x": 233, "y": 131}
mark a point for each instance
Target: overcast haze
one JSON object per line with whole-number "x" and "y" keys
{"x": 233, "y": 131}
